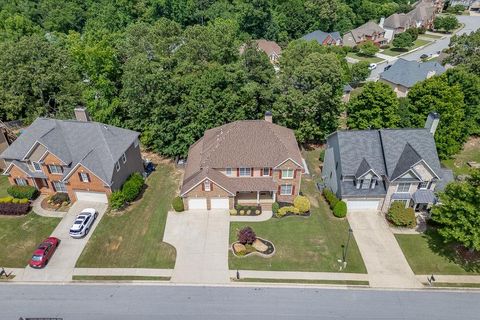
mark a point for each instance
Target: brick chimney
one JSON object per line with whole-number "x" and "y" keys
{"x": 81, "y": 114}
{"x": 432, "y": 122}
{"x": 268, "y": 117}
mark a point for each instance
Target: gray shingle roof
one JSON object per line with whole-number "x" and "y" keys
{"x": 424, "y": 196}
{"x": 407, "y": 159}
{"x": 320, "y": 36}
{"x": 95, "y": 145}
{"x": 407, "y": 73}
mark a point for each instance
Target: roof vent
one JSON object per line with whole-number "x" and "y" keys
{"x": 81, "y": 114}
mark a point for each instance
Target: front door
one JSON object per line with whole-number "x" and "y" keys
{"x": 421, "y": 207}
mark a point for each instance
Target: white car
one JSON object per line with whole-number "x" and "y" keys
{"x": 372, "y": 66}
{"x": 82, "y": 224}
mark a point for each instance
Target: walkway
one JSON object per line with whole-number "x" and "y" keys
{"x": 334, "y": 276}
{"x": 201, "y": 240}
{"x": 264, "y": 216}
{"x": 37, "y": 208}
{"x": 385, "y": 262}
{"x": 60, "y": 267}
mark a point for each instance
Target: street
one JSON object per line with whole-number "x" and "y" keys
{"x": 72, "y": 302}
{"x": 472, "y": 23}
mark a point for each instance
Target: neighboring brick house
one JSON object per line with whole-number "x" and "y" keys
{"x": 369, "y": 31}
{"x": 250, "y": 162}
{"x": 88, "y": 160}
{"x": 370, "y": 169}
{"x": 324, "y": 38}
{"x": 404, "y": 74}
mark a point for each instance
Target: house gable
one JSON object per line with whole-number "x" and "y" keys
{"x": 216, "y": 190}
{"x": 288, "y": 164}
{"x": 37, "y": 152}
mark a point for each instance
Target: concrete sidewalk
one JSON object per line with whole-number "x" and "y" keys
{"x": 300, "y": 275}
{"x": 37, "y": 208}
{"x": 450, "y": 278}
{"x": 143, "y": 272}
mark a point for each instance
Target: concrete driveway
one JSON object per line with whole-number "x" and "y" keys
{"x": 385, "y": 262}
{"x": 60, "y": 267}
{"x": 201, "y": 240}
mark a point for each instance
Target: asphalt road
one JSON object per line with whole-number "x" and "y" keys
{"x": 80, "y": 302}
{"x": 472, "y": 23}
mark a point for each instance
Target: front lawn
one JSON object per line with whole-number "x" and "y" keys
{"x": 134, "y": 239}
{"x": 364, "y": 58}
{"x": 4, "y": 184}
{"x": 470, "y": 152}
{"x": 427, "y": 254}
{"x": 302, "y": 244}
{"x": 20, "y": 235}
{"x": 396, "y": 51}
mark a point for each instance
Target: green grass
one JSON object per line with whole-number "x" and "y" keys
{"x": 364, "y": 58}
{"x": 134, "y": 239}
{"x": 312, "y": 156}
{"x": 120, "y": 278}
{"x": 454, "y": 285}
{"x": 395, "y": 52}
{"x": 431, "y": 36}
{"x": 341, "y": 282}
{"x": 4, "y": 184}
{"x": 20, "y": 235}
{"x": 427, "y": 254}
{"x": 302, "y": 244}
{"x": 470, "y": 152}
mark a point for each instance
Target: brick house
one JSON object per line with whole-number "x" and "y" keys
{"x": 251, "y": 162}
{"x": 369, "y": 31}
{"x": 88, "y": 160}
{"x": 324, "y": 38}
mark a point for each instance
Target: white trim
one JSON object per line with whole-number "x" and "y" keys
{"x": 55, "y": 165}
{"x": 48, "y": 150}
{"x": 206, "y": 183}
{"x": 398, "y": 185}
{"x": 427, "y": 167}
{"x": 368, "y": 172}
{"x": 286, "y": 161}
{"x": 286, "y": 185}
{"x": 195, "y": 185}
{"x": 55, "y": 188}
{"x": 412, "y": 171}
{"x": 13, "y": 164}
{"x": 33, "y": 165}
{"x": 228, "y": 174}
{"x": 86, "y": 176}
{"x": 285, "y": 177}
{"x": 245, "y": 168}
{"x": 75, "y": 168}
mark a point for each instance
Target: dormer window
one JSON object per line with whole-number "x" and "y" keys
{"x": 207, "y": 186}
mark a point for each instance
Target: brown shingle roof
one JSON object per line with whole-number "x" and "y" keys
{"x": 269, "y": 47}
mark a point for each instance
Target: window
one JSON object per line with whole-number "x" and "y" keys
{"x": 423, "y": 185}
{"x": 21, "y": 182}
{"x": 286, "y": 189}
{"x": 59, "y": 186}
{"x": 117, "y": 166}
{"x": 228, "y": 171}
{"x": 37, "y": 166}
{"x": 55, "y": 169}
{"x": 124, "y": 158}
{"x": 206, "y": 185}
{"x": 287, "y": 174}
{"x": 266, "y": 171}
{"x": 366, "y": 184}
{"x": 374, "y": 183}
{"x": 403, "y": 187}
{"x": 245, "y": 172}
{"x": 84, "y": 177}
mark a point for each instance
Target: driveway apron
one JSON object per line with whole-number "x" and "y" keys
{"x": 62, "y": 263}
{"x": 201, "y": 240}
{"x": 385, "y": 262}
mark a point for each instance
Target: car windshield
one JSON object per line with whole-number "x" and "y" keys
{"x": 78, "y": 221}
{"x": 37, "y": 257}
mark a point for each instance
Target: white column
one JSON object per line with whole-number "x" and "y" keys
{"x": 258, "y": 197}
{"x": 274, "y": 196}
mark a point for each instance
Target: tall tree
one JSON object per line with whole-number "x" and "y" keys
{"x": 403, "y": 40}
{"x": 465, "y": 50}
{"x": 374, "y": 108}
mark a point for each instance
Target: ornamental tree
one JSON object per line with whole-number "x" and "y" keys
{"x": 403, "y": 40}
{"x": 246, "y": 236}
{"x": 458, "y": 215}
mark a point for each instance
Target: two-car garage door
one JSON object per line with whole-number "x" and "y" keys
{"x": 362, "y": 205}
{"x": 201, "y": 203}
{"x": 91, "y": 196}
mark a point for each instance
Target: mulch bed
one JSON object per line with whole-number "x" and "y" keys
{"x": 266, "y": 254}
{"x": 246, "y": 208}
{"x": 48, "y": 206}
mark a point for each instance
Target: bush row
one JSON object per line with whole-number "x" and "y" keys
{"x": 14, "y": 209}
{"x": 338, "y": 206}
{"x": 401, "y": 216}
{"x": 21, "y": 192}
{"x": 301, "y": 205}
{"x": 129, "y": 192}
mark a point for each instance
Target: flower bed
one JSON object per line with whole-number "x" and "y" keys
{"x": 49, "y": 204}
{"x": 246, "y": 211}
{"x": 14, "y": 209}
{"x": 286, "y": 209}
{"x": 260, "y": 247}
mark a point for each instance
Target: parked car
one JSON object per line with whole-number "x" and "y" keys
{"x": 44, "y": 252}
{"x": 372, "y": 66}
{"x": 424, "y": 56}
{"x": 387, "y": 67}
{"x": 82, "y": 224}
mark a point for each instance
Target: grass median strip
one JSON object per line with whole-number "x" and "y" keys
{"x": 453, "y": 285}
{"x": 120, "y": 278}
{"x": 306, "y": 281}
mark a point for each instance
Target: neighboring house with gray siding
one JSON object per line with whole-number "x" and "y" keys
{"x": 370, "y": 169}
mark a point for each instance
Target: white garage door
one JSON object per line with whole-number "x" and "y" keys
{"x": 197, "y": 203}
{"x": 219, "y": 203}
{"x": 91, "y": 196}
{"x": 367, "y": 205}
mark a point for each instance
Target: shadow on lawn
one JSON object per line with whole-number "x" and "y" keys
{"x": 454, "y": 252}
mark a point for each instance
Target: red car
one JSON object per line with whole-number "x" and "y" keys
{"x": 44, "y": 252}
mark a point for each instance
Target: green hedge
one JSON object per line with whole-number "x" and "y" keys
{"x": 401, "y": 216}
{"x": 275, "y": 207}
{"x": 330, "y": 197}
{"x": 21, "y": 192}
{"x": 177, "y": 204}
{"x": 340, "y": 209}
{"x": 129, "y": 192}
{"x": 117, "y": 200}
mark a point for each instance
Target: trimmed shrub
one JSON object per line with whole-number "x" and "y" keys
{"x": 21, "y": 192}
{"x": 59, "y": 198}
{"x": 15, "y": 200}
{"x": 246, "y": 236}
{"x": 14, "y": 209}
{"x": 117, "y": 200}
{"x": 302, "y": 203}
{"x": 330, "y": 197}
{"x": 177, "y": 204}
{"x": 8, "y": 199}
{"x": 284, "y": 210}
{"x": 233, "y": 212}
{"x": 275, "y": 207}
{"x": 340, "y": 209}
{"x": 401, "y": 216}
{"x": 23, "y": 201}
{"x": 132, "y": 187}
